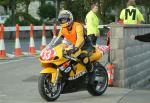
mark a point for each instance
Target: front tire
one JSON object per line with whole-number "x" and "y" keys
{"x": 98, "y": 81}
{"x": 47, "y": 90}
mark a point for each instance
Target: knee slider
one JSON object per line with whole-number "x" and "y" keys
{"x": 85, "y": 58}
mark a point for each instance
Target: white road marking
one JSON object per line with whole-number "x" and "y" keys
{"x": 3, "y": 95}
{"x": 12, "y": 61}
{"x": 26, "y": 53}
{"x": 17, "y": 60}
{"x": 10, "y": 55}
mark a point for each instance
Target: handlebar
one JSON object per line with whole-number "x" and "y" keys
{"x": 65, "y": 54}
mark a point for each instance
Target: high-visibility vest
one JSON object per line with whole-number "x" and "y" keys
{"x": 131, "y": 15}
{"x": 71, "y": 35}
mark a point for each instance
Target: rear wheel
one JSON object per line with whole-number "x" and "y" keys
{"x": 98, "y": 81}
{"x": 46, "y": 88}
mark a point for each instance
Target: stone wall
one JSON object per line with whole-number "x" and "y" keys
{"x": 131, "y": 58}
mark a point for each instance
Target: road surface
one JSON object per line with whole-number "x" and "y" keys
{"x": 18, "y": 84}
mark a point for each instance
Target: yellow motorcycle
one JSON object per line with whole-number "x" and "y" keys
{"x": 63, "y": 73}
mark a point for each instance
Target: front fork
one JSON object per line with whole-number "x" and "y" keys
{"x": 54, "y": 74}
{"x": 56, "y": 78}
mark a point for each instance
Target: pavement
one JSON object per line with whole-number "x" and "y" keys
{"x": 18, "y": 84}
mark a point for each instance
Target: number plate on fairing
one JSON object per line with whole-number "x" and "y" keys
{"x": 47, "y": 54}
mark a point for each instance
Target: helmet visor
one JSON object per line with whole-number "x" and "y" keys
{"x": 63, "y": 20}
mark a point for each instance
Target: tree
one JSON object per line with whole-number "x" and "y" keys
{"x": 77, "y": 7}
{"x": 145, "y": 4}
{"x": 6, "y": 4}
{"x": 27, "y": 3}
{"x": 47, "y": 11}
{"x": 12, "y": 5}
{"x": 42, "y": 2}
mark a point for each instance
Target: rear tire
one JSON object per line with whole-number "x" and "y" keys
{"x": 98, "y": 81}
{"x": 46, "y": 90}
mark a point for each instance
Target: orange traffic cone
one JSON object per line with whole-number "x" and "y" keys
{"x": 2, "y": 45}
{"x": 110, "y": 72}
{"x": 32, "y": 50}
{"x": 43, "y": 43}
{"x": 17, "y": 51}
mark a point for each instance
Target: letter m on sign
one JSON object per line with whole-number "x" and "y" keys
{"x": 129, "y": 12}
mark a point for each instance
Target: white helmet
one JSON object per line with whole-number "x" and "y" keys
{"x": 65, "y": 18}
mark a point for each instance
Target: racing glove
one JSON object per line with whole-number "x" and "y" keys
{"x": 72, "y": 51}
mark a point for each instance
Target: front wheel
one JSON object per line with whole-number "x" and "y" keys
{"x": 47, "y": 90}
{"x": 98, "y": 81}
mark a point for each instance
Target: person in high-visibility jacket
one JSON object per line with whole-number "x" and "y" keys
{"x": 131, "y": 15}
{"x": 92, "y": 23}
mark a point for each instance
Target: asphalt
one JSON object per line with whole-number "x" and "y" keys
{"x": 18, "y": 84}
{"x": 19, "y": 78}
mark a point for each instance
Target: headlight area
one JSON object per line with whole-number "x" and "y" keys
{"x": 44, "y": 65}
